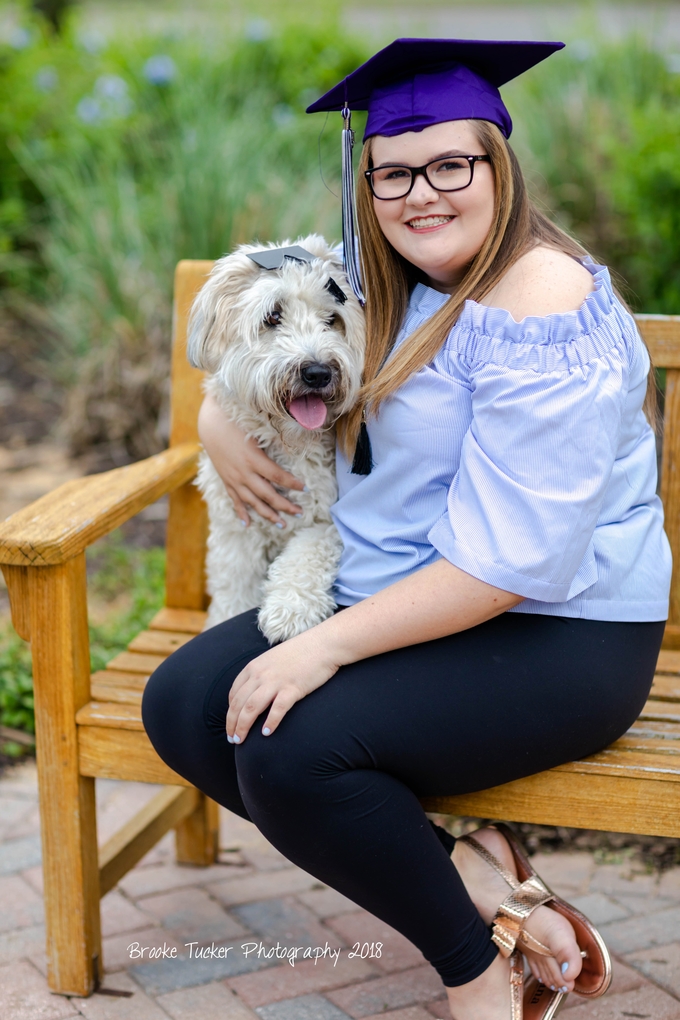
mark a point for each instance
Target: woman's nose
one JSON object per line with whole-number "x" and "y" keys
{"x": 422, "y": 192}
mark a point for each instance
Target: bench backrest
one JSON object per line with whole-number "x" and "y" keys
{"x": 187, "y": 525}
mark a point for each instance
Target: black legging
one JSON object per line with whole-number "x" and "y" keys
{"x": 335, "y": 788}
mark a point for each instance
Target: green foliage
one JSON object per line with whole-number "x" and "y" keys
{"x": 16, "y": 683}
{"x": 119, "y": 574}
{"x": 600, "y": 127}
{"x": 117, "y": 163}
{"x": 120, "y": 156}
{"x": 135, "y": 575}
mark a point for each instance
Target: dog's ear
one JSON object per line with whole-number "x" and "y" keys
{"x": 211, "y": 317}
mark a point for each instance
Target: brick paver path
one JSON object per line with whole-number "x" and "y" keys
{"x": 224, "y": 922}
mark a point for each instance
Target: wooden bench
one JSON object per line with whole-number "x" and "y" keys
{"x": 90, "y": 726}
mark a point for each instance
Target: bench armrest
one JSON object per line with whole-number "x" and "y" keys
{"x": 62, "y": 524}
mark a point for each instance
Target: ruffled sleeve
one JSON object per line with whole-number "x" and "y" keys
{"x": 547, "y": 401}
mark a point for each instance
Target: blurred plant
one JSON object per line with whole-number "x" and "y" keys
{"x": 161, "y": 156}
{"x": 16, "y": 683}
{"x": 120, "y": 156}
{"x": 54, "y": 11}
{"x": 128, "y": 583}
{"x": 600, "y": 127}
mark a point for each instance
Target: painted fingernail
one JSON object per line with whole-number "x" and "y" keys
{"x": 305, "y": 489}
{"x": 279, "y": 524}
{"x": 297, "y": 515}
{"x": 266, "y": 731}
{"x": 564, "y": 968}
{"x": 244, "y": 523}
{"x": 552, "y": 988}
{"x": 563, "y": 988}
{"x": 236, "y": 739}
{"x": 230, "y": 739}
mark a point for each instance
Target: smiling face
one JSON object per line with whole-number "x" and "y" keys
{"x": 438, "y": 232}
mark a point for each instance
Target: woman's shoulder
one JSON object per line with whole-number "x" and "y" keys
{"x": 544, "y": 281}
{"x": 549, "y": 313}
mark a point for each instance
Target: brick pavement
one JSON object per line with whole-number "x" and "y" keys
{"x": 223, "y": 922}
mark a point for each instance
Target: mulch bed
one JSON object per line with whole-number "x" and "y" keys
{"x": 650, "y": 853}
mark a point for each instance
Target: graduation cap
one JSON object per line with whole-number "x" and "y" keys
{"x": 415, "y": 83}
{"x": 274, "y": 258}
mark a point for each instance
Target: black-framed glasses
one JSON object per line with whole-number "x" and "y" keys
{"x": 450, "y": 173}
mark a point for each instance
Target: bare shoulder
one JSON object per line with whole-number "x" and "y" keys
{"x": 542, "y": 282}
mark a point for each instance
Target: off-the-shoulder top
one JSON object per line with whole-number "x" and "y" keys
{"x": 521, "y": 454}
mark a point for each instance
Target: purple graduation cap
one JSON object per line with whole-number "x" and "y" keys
{"x": 415, "y": 83}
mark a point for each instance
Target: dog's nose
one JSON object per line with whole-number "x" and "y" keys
{"x": 317, "y": 376}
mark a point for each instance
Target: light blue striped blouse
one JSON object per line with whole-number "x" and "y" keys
{"x": 522, "y": 456}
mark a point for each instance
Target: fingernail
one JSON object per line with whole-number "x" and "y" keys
{"x": 563, "y": 988}
{"x": 266, "y": 731}
{"x": 297, "y": 515}
{"x": 564, "y": 968}
{"x": 236, "y": 739}
{"x": 230, "y": 739}
{"x": 552, "y": 988}
{"x": 279, "y": 524}
{"x": 244, "y": 523}
{"x": 305, "y": 489}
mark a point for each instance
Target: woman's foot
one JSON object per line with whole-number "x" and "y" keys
{"x": 485, "y": 998}
{"x": 488, "y": 889}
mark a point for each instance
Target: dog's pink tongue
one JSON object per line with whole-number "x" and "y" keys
{"x": 309, "y": 411}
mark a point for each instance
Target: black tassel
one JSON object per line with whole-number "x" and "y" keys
{"x": 363, "y": 458}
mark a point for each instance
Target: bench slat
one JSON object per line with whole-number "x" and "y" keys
{"x": 158, "y": 642}
{"x": 633, "y": 764}
{"x": 669, "y": 661}
{"x": 661, "y": 711}
{"x": 113, "y": 716}
{"x": 135, "y": 662}
{"x": 665, "y": 688}
{"x": 188, "y": 621}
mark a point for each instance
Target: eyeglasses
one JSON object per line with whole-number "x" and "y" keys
{"x": 452, "y": 173}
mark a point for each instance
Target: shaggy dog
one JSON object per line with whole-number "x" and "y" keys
{"x": 284, "y": 351}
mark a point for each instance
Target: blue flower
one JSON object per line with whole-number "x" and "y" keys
{"x": 46, "y": 79}
{"x": 112, "y": 87}
{"x": 20, "y": 38}
{"x": 160, "y": 70}
{"x": 283, "y": 115}
{"x": 257, "y": 30}
{"x": 89, "y": 110}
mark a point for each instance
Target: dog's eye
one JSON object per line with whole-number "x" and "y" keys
{"x": 331, "y": 320}
{"x": 273, "y": 319}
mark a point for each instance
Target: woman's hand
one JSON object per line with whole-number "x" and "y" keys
{"x": 280, "y": 677}
{"x": 248, "y": 474}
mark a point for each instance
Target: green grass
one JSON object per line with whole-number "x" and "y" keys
{"x": 127, "y": 587}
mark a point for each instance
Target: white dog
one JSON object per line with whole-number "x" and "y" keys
{"x": 281, "y": 336}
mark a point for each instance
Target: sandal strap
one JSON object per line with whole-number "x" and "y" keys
{"x": 487, "y": 856}
{"x": 516, "y": 986}
{"x": 508, "y": 924}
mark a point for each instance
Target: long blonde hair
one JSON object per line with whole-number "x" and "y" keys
{"x": 388, "y": 278}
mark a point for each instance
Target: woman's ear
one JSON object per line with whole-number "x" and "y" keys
{"x": 211, "y": 317}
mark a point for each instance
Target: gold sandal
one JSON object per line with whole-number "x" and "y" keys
{"x": 528, "y": 892}
{"x": 532, "y": 1001}
{"x": 541, "y": 1002}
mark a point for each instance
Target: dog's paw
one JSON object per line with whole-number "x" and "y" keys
{"x": 281, "y": 620}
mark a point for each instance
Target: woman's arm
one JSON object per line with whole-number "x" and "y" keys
{"x": 248, "y": 473}
{"x": 431, "y": 603}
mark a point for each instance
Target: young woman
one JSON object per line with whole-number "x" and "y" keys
{"x": 505, "y": 573}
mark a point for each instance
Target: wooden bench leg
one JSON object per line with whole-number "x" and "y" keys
{"x": 196, "y": 838}
{"x": 61, "y": 674}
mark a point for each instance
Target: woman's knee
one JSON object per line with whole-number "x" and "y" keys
{"x": 167, "y": 708}
{"x": 292, "y": 768}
